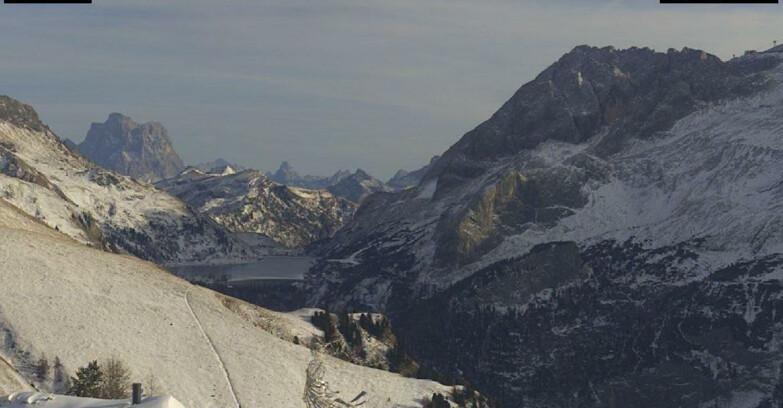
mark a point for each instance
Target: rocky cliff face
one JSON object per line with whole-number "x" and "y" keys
{"x": 143, "y": 151}
{"x": 611, "y": 232}
{"x": 48, "y": 180}
{"x": 249, "y": 202}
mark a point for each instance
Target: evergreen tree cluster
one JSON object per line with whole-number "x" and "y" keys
{"x": 108, "y": 381}
{"x": 380, "y": 329}
{"x": 323, "y": 321}
{"x": 437, "y": 401}
{"x": 466, "y": 397}
{"x": 350, "y": 331}
{"x": 55, "y": 372}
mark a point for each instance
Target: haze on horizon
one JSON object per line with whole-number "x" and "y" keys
{"x": 326, "y": 85}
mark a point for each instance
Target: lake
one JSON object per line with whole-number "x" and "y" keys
{"x": 271, "y": 267}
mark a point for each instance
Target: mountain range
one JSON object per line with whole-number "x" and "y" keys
{"x": 249, "y": 202}
{"x": 50, "y": 181}
{"x": 611, "y": 236}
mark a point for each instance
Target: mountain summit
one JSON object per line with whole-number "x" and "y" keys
{"x": 143, "y": 151}
{"x": 612, "y": 230}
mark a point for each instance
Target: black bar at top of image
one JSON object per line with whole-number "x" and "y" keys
{"x": 719, "y": 1}
{"x": 47, "y": 1}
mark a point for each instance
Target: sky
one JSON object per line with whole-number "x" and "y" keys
{"x": 326, "y": 84}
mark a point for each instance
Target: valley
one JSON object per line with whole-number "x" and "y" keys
{"x": 610, "y": 237}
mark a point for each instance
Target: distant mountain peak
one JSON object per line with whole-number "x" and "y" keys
{"x": 219, "y": 163}
{"x": 404, "y": 179}
{"x": 143, "y": 151}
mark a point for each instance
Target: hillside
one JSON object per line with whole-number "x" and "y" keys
{"x": 249, "y": 202}
{"x": 612, "y": 230}
{"x": 65, "y": 299}
{"x": 43, "y": 400}
{"x": 48, "y": 180}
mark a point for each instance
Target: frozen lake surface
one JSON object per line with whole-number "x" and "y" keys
{"x": 271, "y": 267}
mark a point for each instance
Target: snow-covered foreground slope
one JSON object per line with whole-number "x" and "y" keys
{"x": 65, "y": 299}
{"x": 25, "y": 399}
{"x": 46, "y": 179}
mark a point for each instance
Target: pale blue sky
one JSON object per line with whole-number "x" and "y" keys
{"x": 325, "y": 84}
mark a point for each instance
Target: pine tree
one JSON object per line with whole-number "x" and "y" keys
{"x": 437, "y": 401}
{"x": 42, "y": 368}
{"x": 116, "y": 379}
{"x": 88, "y": 381}
{"x": 59, "y": 371}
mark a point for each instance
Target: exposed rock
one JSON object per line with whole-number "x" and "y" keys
{"x": 249, "y": 202}
{"x": 610, "y": 237}
{"x": 143, "y": 151}
{"x": 42, "y": 176}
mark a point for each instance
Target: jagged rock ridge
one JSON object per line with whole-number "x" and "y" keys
{"x": 290, "y": 177}
{"x": 249, "y": 202}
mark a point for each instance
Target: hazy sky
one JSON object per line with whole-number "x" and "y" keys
{"x": 325, "y": 84}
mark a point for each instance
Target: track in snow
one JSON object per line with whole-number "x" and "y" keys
{"x": 9, "y": 374}
{"x": 214, "y": 350}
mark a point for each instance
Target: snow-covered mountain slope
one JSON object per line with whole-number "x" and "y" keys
{"x": 660, "y": 172}
{"x": 43, "y": 400}
{"x": 143, "y": 151}
{"x": 64, "y": 299}
{"x": 249, "y": 202}
{"x": 46, "y": 179}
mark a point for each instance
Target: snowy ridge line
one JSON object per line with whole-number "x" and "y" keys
{"x": 214, "y": 350}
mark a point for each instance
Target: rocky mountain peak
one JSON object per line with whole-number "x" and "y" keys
{"x": 20, "y": 114}
{"x": 626, "y": 94}
{"x": 362, "y": 175}
{"x": 143, "y": 151}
